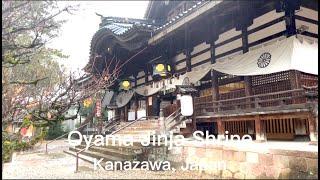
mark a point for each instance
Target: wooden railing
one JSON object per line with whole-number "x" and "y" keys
{"x": 277, "y": 99}
{"x": 170, "y": 109}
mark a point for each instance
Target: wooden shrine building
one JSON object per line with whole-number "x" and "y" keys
{"x": 254, "y": 65}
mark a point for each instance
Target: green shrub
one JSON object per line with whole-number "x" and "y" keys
{"x": 7, "y": 151}
{"x": 12, "y": 142}
{"x": 26, "y": 122}
{"x": 55, "y": 130}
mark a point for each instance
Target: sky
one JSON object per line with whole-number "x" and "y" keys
{"x": 75, "y": 36}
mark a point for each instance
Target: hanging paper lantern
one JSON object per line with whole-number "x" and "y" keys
{"x": 161, "y": 70}
{"x": 126, "y": 84}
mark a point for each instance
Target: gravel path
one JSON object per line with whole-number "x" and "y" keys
{"x": 58, "y": 165}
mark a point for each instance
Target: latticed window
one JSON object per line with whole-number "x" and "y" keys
{"x": 269, "y": 83}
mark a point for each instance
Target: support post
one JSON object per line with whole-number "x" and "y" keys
{"x": 248, "y": 92}
{"x": 194, "y": 122}
{"x": 213, "y": 35}
{"x": 312, "y": 130}
{"x": 294, "y": 76}
{"x": 126, "y": 113}
{"x": 260, "y": 130}
{"x": 215, "y": 85}
{"x": 247, "y": 79}
{"x": 212, "y": 52}
{"x": 146, "y": 80}
{"x": 221, "y": 129}
{"x": 135, "y": 98}
{"x": 290, "y": 7}
{"x": 169, "y": 52}
{"x": 188, "y": 49}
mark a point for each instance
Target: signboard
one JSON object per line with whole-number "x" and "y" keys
{"x": 131, "y": 115}
{"x": 186, "y": 105}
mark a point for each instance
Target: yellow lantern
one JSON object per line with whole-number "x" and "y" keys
{"x": 169, "y": 67}
{"x": 160, "y": 67}
{"x": 161, "y": 70}
{"x": 125, "y": 84}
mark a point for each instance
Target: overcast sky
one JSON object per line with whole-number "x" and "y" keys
{"x": 76, "y": 33}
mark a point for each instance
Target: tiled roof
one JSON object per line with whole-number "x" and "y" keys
{"x": 180, "y": 16}
{"x": 122, "y": 30}
{"x": 121, "y": 26}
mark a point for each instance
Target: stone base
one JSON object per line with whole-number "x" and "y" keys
{"x": 313, "y": 143}
{"x": 260, "y": 141}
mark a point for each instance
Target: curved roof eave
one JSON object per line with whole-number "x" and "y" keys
{"x": 125, "y": 40}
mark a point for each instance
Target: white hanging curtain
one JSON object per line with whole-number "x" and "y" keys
{"x": 197, "y": 75}
{"x": 107, "y": 98}
{"x": 150, "y": 89}
{"x": 123, "y": 98}
{"x": 288, "y": 54}
{"x": 171, "y": 83}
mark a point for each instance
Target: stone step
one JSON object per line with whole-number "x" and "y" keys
{"x": 137, "y": 122}
{"x": 141, "y": 127}
{"x": 129, "y": 131}
{"x": 123, "y": 153}
{"x": 144, "y": 125}
{"x": 136, "y": 143}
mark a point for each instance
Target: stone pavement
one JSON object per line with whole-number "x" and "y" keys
{"x": 58, "y": 165}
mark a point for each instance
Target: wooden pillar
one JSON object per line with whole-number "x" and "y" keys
{"x": 212, "y": 52}
{"x": 213, "y": 35}
{"x": 146, "y": 80}
{"x": 194, "y": 120}
{"x": 260, "y": 130}
{"x": 135, "y": 98}
{"x": 313, "y": 134}
{"x": 295, "y": 83}
{"x": 126, "y": 113}
{"x": 248, "y": 92}
{"x": 215, "y": 85}
{"x": 289, "y": 9}
{"x": 221, "y": 129}
{"x": 169, "y": 54}
{"x": 188, "y": 48}
{"x": 247, "y": 79}
{"x": 295, "y": 79}
{"x": 248, "y": 85}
